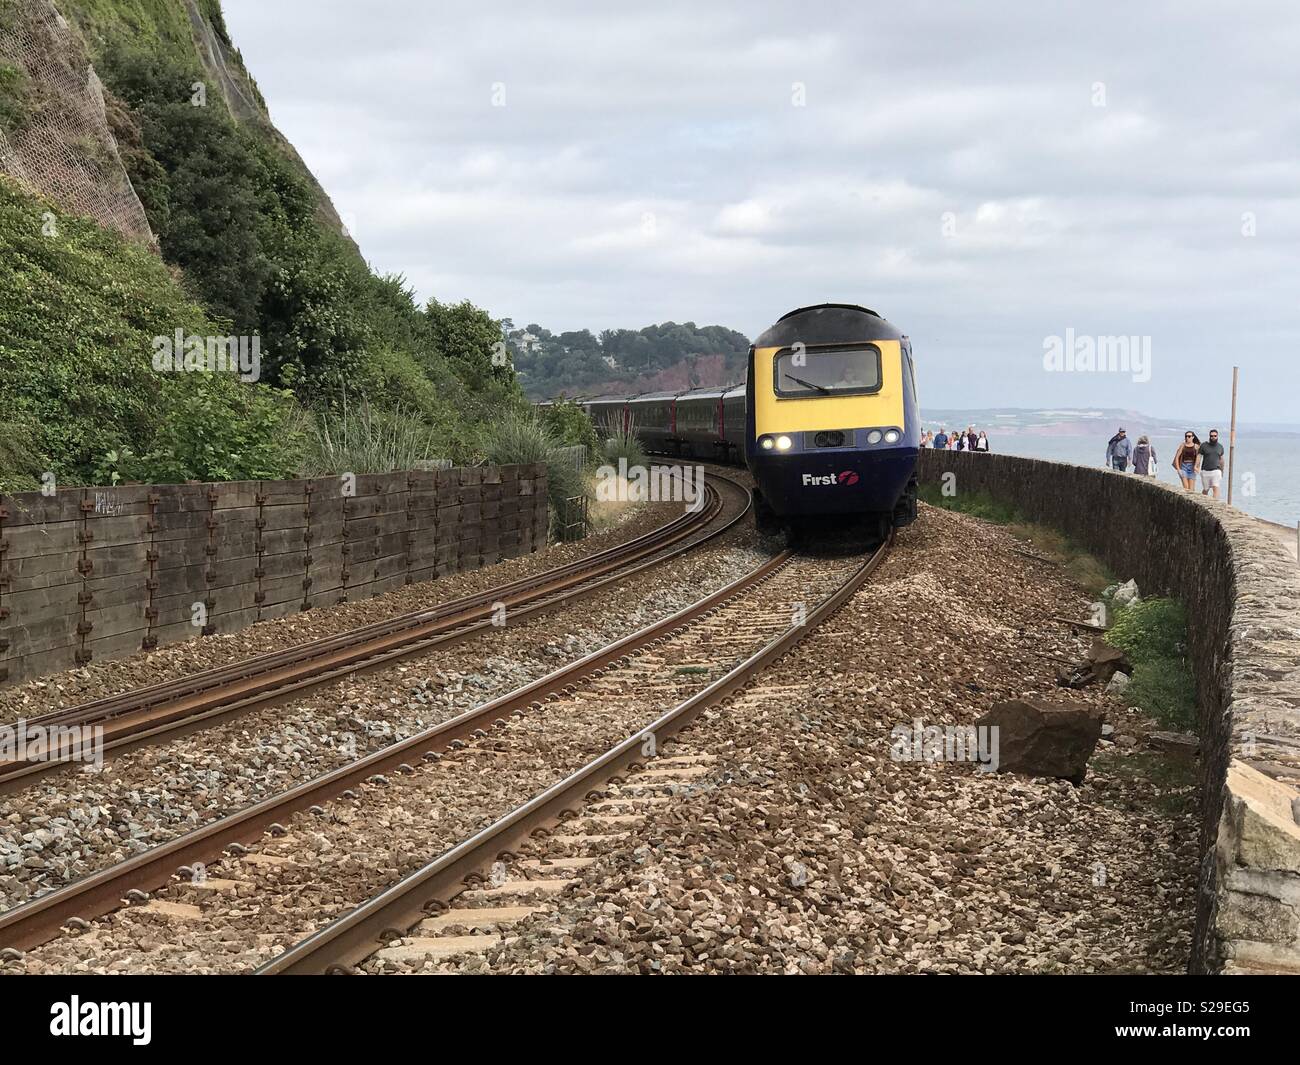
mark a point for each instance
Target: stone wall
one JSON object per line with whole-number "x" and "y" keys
{"x": 1242, "y": 593}
{"x": 93, "y": 573}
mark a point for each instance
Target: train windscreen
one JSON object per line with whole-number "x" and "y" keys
{"x": 846, "y": 370}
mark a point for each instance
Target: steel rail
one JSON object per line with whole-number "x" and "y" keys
{"x": 354, "y": 937}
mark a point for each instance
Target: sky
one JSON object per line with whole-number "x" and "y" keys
{"x": 1009, "y": 183}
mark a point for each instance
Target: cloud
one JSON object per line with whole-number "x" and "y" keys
{"x": 952, "y": 166}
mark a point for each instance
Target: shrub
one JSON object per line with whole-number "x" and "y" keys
{"x": 1149, "y": 630}
{"x": 78, "y": 313}
{"x": 571, "y": 425}
{"x": 199, "y": 180}
{"x": 473, "y": 343}
{"x": 217, "y": 428}
{"x": 19, "y": 458}
{"x": 1153, "y": 633}
{"x": 364, "y": 439}
{"x": 13, "y": 97}
{"x": 621, "y": 443}
{"x": 522, "y": 437}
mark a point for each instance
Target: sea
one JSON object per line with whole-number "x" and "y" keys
{"x": 1266, "y": 468}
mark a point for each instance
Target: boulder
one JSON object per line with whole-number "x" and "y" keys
{"x": 1117, "y": 684}
{"x": 1107, "y": 660}
{"x": 1041, "y": 738}
{"x": 1126, "y": 593}
{"x": 1180, "y": 744}
{"x": 1102, "y": 663}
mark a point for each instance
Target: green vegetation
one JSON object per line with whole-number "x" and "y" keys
{"x": 977, "y": 504}
{"x": 552, "y": 364}
{"x": 163, "y": 25}
{"x": 79, "y": 309}
{"x": 355, "y": 375}
{"x": 1153, "y": 633}
{"x": 13, "y": 97}
{"x": 369, "y": 440}
{"x": 522, "y": 437}
{"x": 572, "y": 426}
{"x": 623, "y": 443}
{"x": 1082, "y": 567}
{"x": 248, "y": 249}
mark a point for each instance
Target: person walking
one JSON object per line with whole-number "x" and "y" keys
{"x": 1144, "y": 458}
{"x": 1211, "y": 465}
{"x": 1118, "y": 449}
{"x": 1186, "y": 459}
{"x": 982, "y": 442}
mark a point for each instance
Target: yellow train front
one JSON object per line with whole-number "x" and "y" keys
{"x": 832, "y": 423}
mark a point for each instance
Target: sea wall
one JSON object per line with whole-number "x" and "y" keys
{"x": 1241, "y": 590}
{"x": 94, "y": 573}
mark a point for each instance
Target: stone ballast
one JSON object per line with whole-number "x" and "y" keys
{"x": 1241, "y": 590}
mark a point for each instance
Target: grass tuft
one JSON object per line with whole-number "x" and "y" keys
{"x": 1081, "y": 566}
{"x": 520, "y": 436}
{"x": 623, "y": 443}
{"x": 363, "y": 439}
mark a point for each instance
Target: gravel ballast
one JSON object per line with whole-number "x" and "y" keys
{"x": 806, "y": 847}
{"x": 252, "y": 907}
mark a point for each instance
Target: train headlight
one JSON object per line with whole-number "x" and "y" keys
{"x": 767, "y": 443}
{"x": 892, "y": 436}
{"x": 873, "y": 437}
{"x": 784, "y": 443}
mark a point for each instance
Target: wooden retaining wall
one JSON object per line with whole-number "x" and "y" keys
{"x": 95, "y": 573}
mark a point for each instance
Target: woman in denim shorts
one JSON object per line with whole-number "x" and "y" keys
{"x": 1186, "y": 459}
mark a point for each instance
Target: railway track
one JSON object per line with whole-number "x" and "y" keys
{"x": 751, "y": 621}
{"x": 417, "y": 917}
{"x": 175, "y": 708}
{"x": 525, "y": 883}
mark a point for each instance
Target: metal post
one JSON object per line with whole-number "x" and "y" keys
{"x": 1232, "y": 434}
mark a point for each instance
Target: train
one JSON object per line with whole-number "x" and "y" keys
{"x": 826, "y": 421}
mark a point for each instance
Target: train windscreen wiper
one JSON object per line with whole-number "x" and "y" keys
{"x": 808, "y": 384}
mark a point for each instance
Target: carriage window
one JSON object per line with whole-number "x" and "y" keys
{"x": 850, "y": 370}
